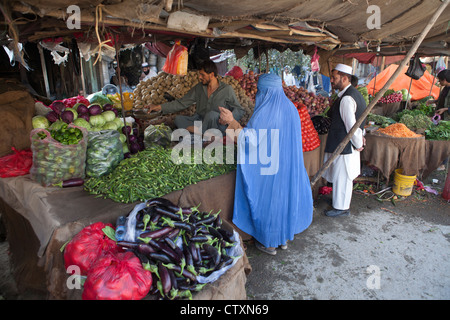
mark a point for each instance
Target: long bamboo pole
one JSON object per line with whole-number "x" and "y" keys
{"x": 380, "y": 93}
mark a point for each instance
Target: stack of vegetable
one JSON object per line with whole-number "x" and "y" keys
{"x": 316, "y": 104}
{"x": 93, "y": 117}
{"x": 380, "y": 120}
{"x": 152, "y": 173}
{"x": 249, "y": 82}
{"x": 391, "y": 96}
{"x": 365, "y": 93}
{"x": 414, "y": 119}
{"x": 181, "y": 247}
{"x": 310, "y": 137}
{"x": 399, "y": 130}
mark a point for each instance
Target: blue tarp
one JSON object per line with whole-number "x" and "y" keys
{"x": 273, "y": 198}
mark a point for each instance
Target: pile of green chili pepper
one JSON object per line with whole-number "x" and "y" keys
{"x": 151, "y": 173}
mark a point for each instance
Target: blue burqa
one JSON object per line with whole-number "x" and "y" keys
{"x": 273, "y": 198}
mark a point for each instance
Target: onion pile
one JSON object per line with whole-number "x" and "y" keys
{"x": 391, "y": 98}
{"x": 249, "y": 82}
{"x": 316, "y": 104}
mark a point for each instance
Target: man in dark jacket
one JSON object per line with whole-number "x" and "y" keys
{"x": 347, "y": 108}
{"x": 208, "y": 95}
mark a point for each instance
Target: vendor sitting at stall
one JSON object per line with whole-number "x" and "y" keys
{"x": 208, "y": 95}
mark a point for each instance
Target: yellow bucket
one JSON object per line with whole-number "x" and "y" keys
{"x": 403, "y": 185}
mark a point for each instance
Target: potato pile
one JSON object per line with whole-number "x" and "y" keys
{"x": 152, "y": 91}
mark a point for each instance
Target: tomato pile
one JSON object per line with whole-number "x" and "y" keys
{"x": 310, "y": 137}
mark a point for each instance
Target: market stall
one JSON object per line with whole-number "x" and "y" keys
{"x": 46, "y": 218}
{"x": 104, "y": 125}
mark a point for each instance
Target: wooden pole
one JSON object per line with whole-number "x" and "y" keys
{"x": 380, "y": 93}
{"x": 44, "y": 71}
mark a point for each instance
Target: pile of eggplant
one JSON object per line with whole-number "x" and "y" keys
{"x": 321, "y": 124}
{"x": 178, "y": 245}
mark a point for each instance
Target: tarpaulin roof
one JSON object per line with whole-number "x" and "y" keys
{"x": 419, "y": 88}
{"x": 343, "y": 25}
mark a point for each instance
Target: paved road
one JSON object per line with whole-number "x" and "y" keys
{"x": 373, "y": 254}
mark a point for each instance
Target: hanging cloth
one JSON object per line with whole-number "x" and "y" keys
{"x": 273, "y": 198}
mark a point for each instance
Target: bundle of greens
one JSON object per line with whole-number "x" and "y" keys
{"x": 419, "y": 121}
{"x": 379, "y": 120}
{"x": 441, "y": 131}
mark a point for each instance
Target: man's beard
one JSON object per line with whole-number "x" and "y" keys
{"x": 147, "y": 72}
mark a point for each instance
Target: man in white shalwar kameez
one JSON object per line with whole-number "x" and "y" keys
{"x": 346, "y": 167}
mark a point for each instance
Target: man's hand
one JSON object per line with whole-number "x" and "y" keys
{"x": 364, "y": 144}
{"x": 226, "y": 116}
{"x": 154, "y": 107}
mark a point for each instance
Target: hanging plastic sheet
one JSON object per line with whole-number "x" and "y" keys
{"x": 273, "y": 198}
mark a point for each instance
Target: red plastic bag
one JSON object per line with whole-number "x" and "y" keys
{"x": 89, "y": 244}
{"x": 235, "y": 72}
{"x": 177, "y": 60}
{"x": 315, "y": 66}
{"x": 117, "y": 276}
{"x": 16, "y": 164}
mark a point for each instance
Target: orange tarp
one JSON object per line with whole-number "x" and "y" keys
{"x": 419, "y": 88}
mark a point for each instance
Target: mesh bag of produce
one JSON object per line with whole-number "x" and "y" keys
{"x": 157, "y": 135}
{"x": 117, "y": 276}
{"x": 58, "y": 155}
{"x": 104, "y": 152}
{"x": 88, "y": 245}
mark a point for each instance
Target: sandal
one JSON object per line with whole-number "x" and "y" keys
{"x": 271, "y": 251}
{"x": 284, "y": 246}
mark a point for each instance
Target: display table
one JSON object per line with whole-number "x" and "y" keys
{"x": 389, "y": 153}
{"x": 40, "y": 221}
{"x": 416, "y": 156}
{"x": 435, "y": 153}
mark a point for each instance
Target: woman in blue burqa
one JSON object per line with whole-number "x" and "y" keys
{"x": 273, "y": 198}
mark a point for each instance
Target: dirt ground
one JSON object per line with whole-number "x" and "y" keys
{"x": 386, "y": 249}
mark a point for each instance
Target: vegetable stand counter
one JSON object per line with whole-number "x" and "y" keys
{"x": 41, "y": 220}
{"x": 416, "y": 156}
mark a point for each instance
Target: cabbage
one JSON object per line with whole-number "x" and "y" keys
{"x": 111, "y": 125}
{"x": 95, "y": 109}
{"x": 122, "y": 138}
{"x": 58, "y": 107}
{"x": 80, "y": 122}
{"x": 67, "y": 116}
{"x": 52, "y": 116}
{"x": 97, "y": 121}
{"x": 99, "y": 98}
{"x": 96, "y": 128}
{"x": 119, "y": 122}
{"x": 109, "y": 115}
{"x": 75, "y": 113}
{"x": 81, "y": 108}
{"x": 57, "y": 125}
{"x": 107, "y": 106}
{"x": 40, "y": 122}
